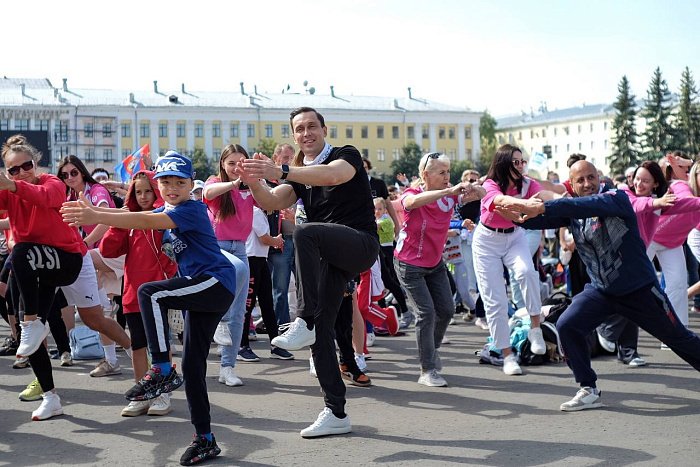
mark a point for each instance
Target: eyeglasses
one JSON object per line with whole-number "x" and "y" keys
{"x": 473, "y": 180}
{"x": 65, "y": 175}
{"x": 27, "y": 166}
{"x": 432, "y": 155}
{"x": 519, "y": 162}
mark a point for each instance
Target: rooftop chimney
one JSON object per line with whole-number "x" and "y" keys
{"x": 242, "y": 89}
{"x": 332, "y": 92}
{"x": 55, "y": 92}
{"x": 183, "y": 88}
{"x": 23, "y": 86}
{"x": 131, "y": 98}
{"x": 410, "y": 96}
{"x": 155, "y": 86}
{"x": 65, "y": 84}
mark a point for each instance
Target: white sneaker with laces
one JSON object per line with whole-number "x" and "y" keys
{"x": 445, "y": 340}
{"x": 135, "y": 408}
{"x": 370, "y": 339}
{"x": 432, "y": 378}
{"x": 327, "y": 424}
{"x": 160, "y": 405}
{"x": 66, "y": 359}
{"x": 227, "y": 376}
{"x": 608, "y": 346}
{"x": 361, "y": 362}
{"x": 296, "y": 335}
{"x": 511, "y": 366}
{"x": 33, "y": 334}
{"x": 585, "y": 398}
{"x": 536, "y": 339}
{"x": 637, "y": 362}
{"x": 50, "y": 407}
{"x": 222, "y": 336}
{"x": 481, "y": 323}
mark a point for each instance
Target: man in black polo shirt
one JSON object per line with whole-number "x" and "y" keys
{"x": 338, "y": 242}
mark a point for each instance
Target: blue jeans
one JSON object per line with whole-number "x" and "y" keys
{"x": 235, "y": 316}
{"x": 429, "y": 293}
{"x": 281, "y": 264}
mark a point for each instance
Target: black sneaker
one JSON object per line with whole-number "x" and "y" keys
{"x": 200, "y": 450}
{"x": 8, "y": 347}
{"x": 280, "y": 353}
{"x": 246, "y": 354}
{"x": 153, "y": 384}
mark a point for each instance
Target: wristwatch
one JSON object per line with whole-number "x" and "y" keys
{"x": 285, "y": 171}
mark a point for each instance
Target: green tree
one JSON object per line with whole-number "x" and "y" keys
{"x": 201, "y": 164}
{"x": 456, "y": 169}
{"x": 408, "y": 162}
{"x": 487, "y": 131}
{"x": 624, "y": 145}
{"x": 688, "y": 117}
{"x": 266, "y": 146}
{"x": 659, "y": 134}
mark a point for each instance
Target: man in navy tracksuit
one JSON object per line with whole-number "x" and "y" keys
{"x": 623, "y": 279}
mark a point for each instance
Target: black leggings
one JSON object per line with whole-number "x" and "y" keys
{"x": 391, "y": 282}
{"x": 137, "y": 331}
{"x": 261, "y": 288}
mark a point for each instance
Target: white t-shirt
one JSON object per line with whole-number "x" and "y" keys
{"x": 253, "y": 245}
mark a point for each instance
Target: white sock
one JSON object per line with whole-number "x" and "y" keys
{"x": 110, "y": 353}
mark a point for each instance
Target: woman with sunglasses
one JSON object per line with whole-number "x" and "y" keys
{"x": 47, "y": 254}
{"x": 428, "y": 206}
{"x": 109, "y": 270}
{"x": 498, "y": 243}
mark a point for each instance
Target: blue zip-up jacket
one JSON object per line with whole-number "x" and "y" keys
{"x": 605, "y": 231}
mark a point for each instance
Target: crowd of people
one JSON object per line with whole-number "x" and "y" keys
{"x": 134, "y": 258}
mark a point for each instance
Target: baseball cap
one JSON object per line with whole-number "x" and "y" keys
{"x": 173, "y": 164}
{"x": 198, "y": 185}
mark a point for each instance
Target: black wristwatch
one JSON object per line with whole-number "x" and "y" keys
{"x": 285, "y": 171}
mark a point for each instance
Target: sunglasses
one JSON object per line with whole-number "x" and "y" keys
{"x": 473, "y": 180}
{"x": 27, "y": 166}
{"x": 432, "y": 155}
{"x": 65, "y": 175}
{"x": 518, "y": 163}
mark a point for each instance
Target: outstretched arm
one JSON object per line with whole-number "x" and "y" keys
{"x": 77, "y": 213}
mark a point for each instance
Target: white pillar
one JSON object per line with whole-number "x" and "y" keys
{"x": 189, "y": 131}
{"x": 172, "y": 135}
{"x": 243, "y": 132}
{"x": 155, "y": 143}
{"x": 460, "y": 142}
{"x": 432, "y": 134}
{"x": 476, "y": 142}
{"x": 208, "y": 143}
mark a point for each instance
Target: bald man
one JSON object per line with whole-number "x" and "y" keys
{"x": 623, "y": 279}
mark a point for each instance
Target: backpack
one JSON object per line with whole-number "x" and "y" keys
{"x": 558, "y": 303}
{"x": 85, "y": 344}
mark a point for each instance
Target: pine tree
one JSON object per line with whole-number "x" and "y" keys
{"x": 659, "y": 134}
{"x": 624, "y": 145}
{"x": 688, "y": 117}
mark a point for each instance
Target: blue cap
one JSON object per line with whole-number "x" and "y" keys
{"x": 173, "y": 164}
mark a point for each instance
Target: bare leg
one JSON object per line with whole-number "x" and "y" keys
{"x": 358, "y": 326}
{"x": 94, "y": 319}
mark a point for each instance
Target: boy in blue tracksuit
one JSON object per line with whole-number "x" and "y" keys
{"x": 623, "y": 279}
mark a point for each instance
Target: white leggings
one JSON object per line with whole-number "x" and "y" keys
{"x": 493, "y": 250}
{"x": 672, "y": 261}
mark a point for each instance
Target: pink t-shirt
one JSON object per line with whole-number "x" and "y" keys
{"x": 98, "y": 196}
{"x": 238, "y": 226}
{"x": 424, "y": 231}
{"x": 673, "y": 229}
{"x": 489, "y": 216}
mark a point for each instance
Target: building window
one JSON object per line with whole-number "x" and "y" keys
{"x": 566, "y": 130}
{"x": 364, "y": 132}
{"x": 468, "y": 132}
{"x": 217, "y": 151}
{"x": 544, "y": 133}
{"x": 88, "y": 130}
{"x": 441, "y": 132}
{"x": 380, "y": 155}
{"x": 520, "y": 136}
{"x": 567, "y": 147}
{"x": 285, "y": 130}
{"x": 216, "y": 130}
{"x": 107, "y": 155}
{"x": 591, "y": 128}
{"x": 126, "y": 131}
{"x": 251, "y": 130}
{"x": 333, "y": 132}
{"x": 180, "y": 130}
{"x": 22, "y": 124}
{"x": 532, "y": 134}
{"x": 62, "y": 133}
{"x": 452, "y": 154}
{"x": 348, "y": 132}
{"x": 44, "y": 125}
{"x": 4, "y": 124}
{"x": 579, "y": 146}
{"x": 198, "y": 130}
{"x": 468, "y": 153}
{"x": 125, "y": 153}
{"x": 380, "y": 131}
{"x": 591, "y": 145}
{"x": 365, "y": 153}
{"x": 411, "y": 132}
{"x": 162, "y": 130}
{"x": 605, "y": 144}
{"x": 425, "y": 132}
{"x": 579, "y": 130}
{"x": 268, "y": 130}
{"x": 89, "y": 155}
{"x": 451, "y": 132}
{"x": 395, "y": 132}
{"x": 396, "y": 154}
{"x": 234, "y": 130}
{"x": 107, "y": 130}
{"x": 182, "y": 151}
{"x": 555, "y": 131}
{"x": 605, "y": 126}
{"x": 556, "y": 147}
{"x": 144, "y": 130}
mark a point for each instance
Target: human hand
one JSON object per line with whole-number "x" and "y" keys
{"x": 667, "y": 200}
{"x": 80, "y": 212}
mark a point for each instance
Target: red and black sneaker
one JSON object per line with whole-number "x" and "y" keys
{"x": 153, "y": 384}
{"x": 199, "y": 450}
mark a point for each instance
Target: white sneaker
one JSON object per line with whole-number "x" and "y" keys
{"x": 361, "y": 362}
{"x": 312, "y": 367}
{"x": 370, "y": 339}
{"x": 222, "y": 336}
{"x": 66, "y": 359}
{"x": 327, "y": 424}
{"x": 481, "y": 323}
{"x": 585, "y": 398}
{"x": 537, "y": 345}
{"x": 608, "y": 346}
{"x": 432, "y": 378}
{"x": 637, "y": 362}
{"x": 664, "y": 347}
{"x": 511, "y": 366}
{"x": 160, "y": 405}
{"x": 445, "y": 340}
{"x": 33, "y": 334}
{"x": 50, "y": 407}
{"x": 296, "y": 335}
{"x": 135, "y": 408}
{"x": 227, "y": 376}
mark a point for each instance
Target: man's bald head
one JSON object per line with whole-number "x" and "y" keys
{"x": 584, "y": 178}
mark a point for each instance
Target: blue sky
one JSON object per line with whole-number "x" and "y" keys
{"x": 506, "y": 56}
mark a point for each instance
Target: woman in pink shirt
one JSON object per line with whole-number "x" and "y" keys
{"x": 497, "y": 243}
{"x": 428, "y": 207}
